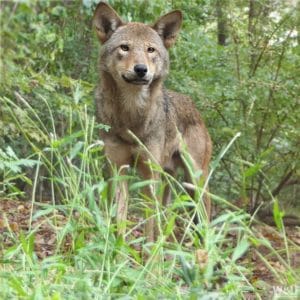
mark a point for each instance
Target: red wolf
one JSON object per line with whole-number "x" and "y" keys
{"x": 147, "y": 122}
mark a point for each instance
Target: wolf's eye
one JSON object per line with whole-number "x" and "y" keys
{"x": 124, "y": 48}
{"x": 150, "y": 49}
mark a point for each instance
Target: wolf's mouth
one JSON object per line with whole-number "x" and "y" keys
{"x": 137, "y": 81}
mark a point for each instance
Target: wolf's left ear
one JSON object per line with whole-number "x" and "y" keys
{"x": 106, "y": 21}
{"x": 168, "y": 27}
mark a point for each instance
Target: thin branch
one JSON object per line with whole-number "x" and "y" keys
{"x": 265, "y": 46}
{"x": 271, "y": 92}
{"x": 283, "y": 182}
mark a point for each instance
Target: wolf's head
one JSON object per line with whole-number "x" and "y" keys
{"x": 135, "y": 53}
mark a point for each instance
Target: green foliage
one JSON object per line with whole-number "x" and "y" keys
{"x": 248, "y": 86}
{"x": 248, "y": 94}
{"x": 11, "y": 168}
{"x": 238, "y": 91}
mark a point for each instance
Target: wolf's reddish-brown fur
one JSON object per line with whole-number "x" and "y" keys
{"x": 131, "y": 98}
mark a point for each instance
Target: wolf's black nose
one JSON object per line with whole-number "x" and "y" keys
{"x": 140, "y": 70}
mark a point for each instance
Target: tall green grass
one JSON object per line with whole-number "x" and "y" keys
{"x": 91, "y": 262}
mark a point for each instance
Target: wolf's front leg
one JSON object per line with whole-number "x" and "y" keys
{"x": 118, "y": 193}
{"x": 121, "y": 196}
{"x": 119, "y": 156}
{"x": 151, "y": 227}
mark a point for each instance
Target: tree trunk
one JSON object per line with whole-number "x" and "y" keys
{"x": 251, "y": 34}
{"x": 221, "y": 21}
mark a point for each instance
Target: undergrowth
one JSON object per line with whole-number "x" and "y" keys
{"x": 96, "y": 264}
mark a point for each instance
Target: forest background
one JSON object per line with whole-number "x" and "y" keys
{"x": 238, "y": 60}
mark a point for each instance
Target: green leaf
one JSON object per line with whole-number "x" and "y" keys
{"x": 278, "y": 215}
{"x": 253, "y": 170}
{"x": 50, "y": 37}
{"x": 187, "y": 271}
{"x": 240, "y": 249}
{"x": 17, "y": 285}
{"x": 170, "y": 225}
{"x": 141, "y": 184}
{"x": 27, "y": 244}
{"x": 75, "y": 150}
{"x": 43, "y": 212}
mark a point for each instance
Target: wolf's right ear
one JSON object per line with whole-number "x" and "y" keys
{"x": 106, "y": 21}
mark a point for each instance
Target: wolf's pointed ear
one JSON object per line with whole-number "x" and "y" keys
{"x": 106, "y": 21}
{"x": 168, "y": 27}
